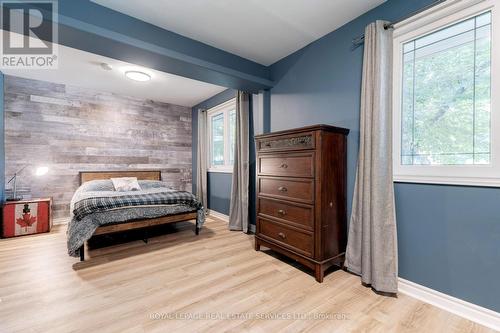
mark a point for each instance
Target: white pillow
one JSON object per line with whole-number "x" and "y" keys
{"x": 125, "y": 184}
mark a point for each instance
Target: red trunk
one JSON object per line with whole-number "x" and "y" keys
{"x": 21, "y": 217}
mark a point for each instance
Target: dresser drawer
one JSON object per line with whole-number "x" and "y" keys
{"x": 291, "y": 165}
{"x": 299, "y": 215}
{"x": 301, "y": 190}
{"x": 296, "y": 141}
{"x": 294, "y": 239}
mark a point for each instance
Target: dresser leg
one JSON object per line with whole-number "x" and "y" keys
{"x": 257, "y": 246}
{"x": 318, "y": 273}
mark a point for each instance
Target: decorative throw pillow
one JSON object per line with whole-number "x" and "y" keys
{"x": 97, "y": 185}
{"x": 125, "y": 184}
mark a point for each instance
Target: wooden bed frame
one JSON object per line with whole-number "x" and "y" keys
{"x": 86, "y": 176}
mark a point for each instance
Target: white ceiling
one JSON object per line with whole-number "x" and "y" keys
{"x": 82, "y": 69}
{"x": 260, "y": 30}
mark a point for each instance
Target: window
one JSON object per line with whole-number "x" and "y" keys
{"x": 221, "y": 137}
{"x": 444, "y": 113}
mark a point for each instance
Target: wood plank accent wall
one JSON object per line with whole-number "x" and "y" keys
{"x": 71, "y": 129}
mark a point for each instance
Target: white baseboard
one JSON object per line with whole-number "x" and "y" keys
{"x": 218, "y": 215}
{"x": 225, "y": 218}
{"x": 475, "y": 313}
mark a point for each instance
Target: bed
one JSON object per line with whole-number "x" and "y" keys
{"x": 97, "y": 209}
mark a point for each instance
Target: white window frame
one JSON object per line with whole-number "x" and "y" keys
{"x": 225, "y": 109}
{"x": 436, "y": 18}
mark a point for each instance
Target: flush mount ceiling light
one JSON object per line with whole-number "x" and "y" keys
{"x": 138, "y": 76}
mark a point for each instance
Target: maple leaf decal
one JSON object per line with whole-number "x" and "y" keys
{"x": 27, "y": 220}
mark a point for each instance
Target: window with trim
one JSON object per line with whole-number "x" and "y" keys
{"x": 445, "y": 117}
{"x": 221, "y": 125}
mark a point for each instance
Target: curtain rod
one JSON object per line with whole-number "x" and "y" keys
{"x": 361, "y": 38}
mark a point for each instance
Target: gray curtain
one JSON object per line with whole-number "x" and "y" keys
{"x": 201, "y": 155}
{"x": 372, "y": 243}
{"x": 238, "y": 211}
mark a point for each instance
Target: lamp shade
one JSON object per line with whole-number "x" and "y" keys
{"x": 41, "y": 170}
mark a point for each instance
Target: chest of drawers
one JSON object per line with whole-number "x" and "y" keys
{"x": 301, "y": 189}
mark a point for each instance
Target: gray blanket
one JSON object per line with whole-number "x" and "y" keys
{"x": 81, "y": 229}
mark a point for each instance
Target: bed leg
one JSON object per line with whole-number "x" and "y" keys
{"x": 82, "y": 252}
{"x": 197, "y": 230}
{"x": 146, "y": 235}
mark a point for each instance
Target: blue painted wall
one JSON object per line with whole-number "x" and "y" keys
{"x": 449, "y": 240}
{"x": 448, "y": 236}
{"x": 219, "y": 191}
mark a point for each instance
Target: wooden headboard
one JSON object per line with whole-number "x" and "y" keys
{"x": 86, "y": 176}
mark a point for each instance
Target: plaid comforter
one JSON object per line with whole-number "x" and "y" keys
{"x": 96, "y": 203}
{"x": 91, "y": 205}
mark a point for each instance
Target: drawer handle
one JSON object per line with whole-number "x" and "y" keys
{"x": 284, "y": 165}
{"x": 282, "y": 189}
{"x": 282, "y": 235}
{"x": 267, "y": 144}
{"x": 281, "y": 212}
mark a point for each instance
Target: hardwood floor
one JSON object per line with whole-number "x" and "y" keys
{"x": 137, "y": 287}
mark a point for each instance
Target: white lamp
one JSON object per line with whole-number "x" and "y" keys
{"x": 40, "y": 171}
